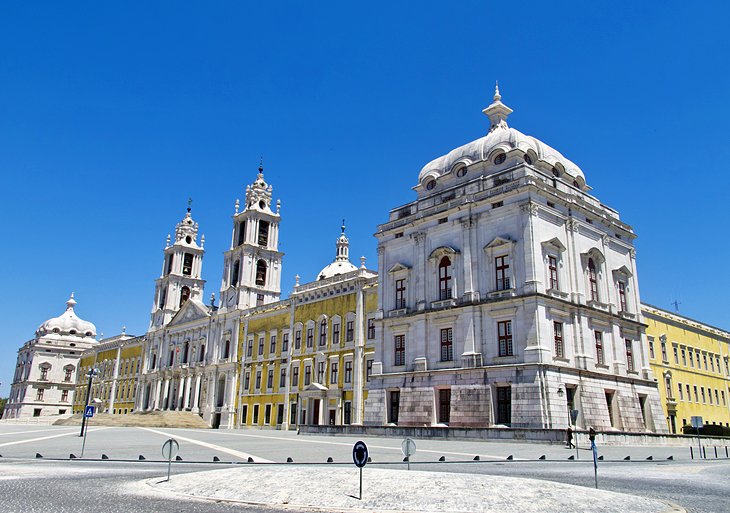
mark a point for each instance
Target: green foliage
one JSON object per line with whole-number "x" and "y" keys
{"x": 708, "y": 430}
{"x": 3, "y": 400}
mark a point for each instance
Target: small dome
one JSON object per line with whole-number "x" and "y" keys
{"x": 500, "y": 137}
{"x": 68, "y": 323}
{"x": 341, "y": 264}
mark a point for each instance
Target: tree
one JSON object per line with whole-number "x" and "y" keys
{"x": 3, "y": 400}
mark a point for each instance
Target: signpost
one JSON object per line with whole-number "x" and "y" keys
{"x": 360, "y": 457}
{"x": 88, "y": 413}
{"x": 169, "y": 450}
{"x": 697, "y": 423}
{"x": 592, "y": 437}
{"x": 408, "y": 447}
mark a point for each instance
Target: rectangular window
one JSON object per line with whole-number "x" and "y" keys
{"x": 717, "y": 397}
{"x": 249, "y": 349}
{"x": 675, "y": 350}
{"x": 691, "y": 359}
{"x": 722, "y": 396}
{"x": 371, "y": 329}
{"x": 282, "y": 378}
{"x": 559, "y": 345}
{"x": 270, "y": 379}
{"x": 258, "y": 380}
{"x": 689, "y": 395}
{"x": 259, "y": 299}
{"x": 348, "y": 413}
{"x": 553, "y": 267}
{"x": 681, "y": 392}
{"x": 368, "y": 370}
{"x": 394, "y": 407}
{"x": 350, "y": 331}
{"x": 263, "y": 239}
{"x": 39, "y": 394}
{"x": 447, "y": 346}
{"x": 241, "y": 233}
{"x": 68, "y": 372}
{"x": 444, "y": 406}
{"x": 298, "y": 339}
{"x": 599, "y": 347}
{"x": 320, "y": 372}
{"x": 307, "y": 375}
{"x": 247, "y": 382}
{"x": 712, "y": 364}
{"x": 400, "y": 350}
{"x": 699, "y": 366}
{"x": 272, "y": 345}
{"x": 400, "y": 294}
{"x": 285, "y": 343}
{"x": 333, "y": 373}
{"x": 336, "y": 333}
{"x": 295, "y": 376}
{"x": 323, "y": 333}
{"x": 504, "y": 337}
{"x": 702, "y": 392}
{"x": 684, "y": 357}
{"x": 310, "y": 337}
{"x": 293, "y": 414}
{"x": 348, "y": 372}
{"x": 44, "y": 373}
{"x": 261, "y": 346}
{"x": 64, "y": 396}
{"x": 501, "y": 266}
{"x": 704, "y": 360}
{"x": 629, "y": 355}
{"x": 255, "y": 413}
{"x": 622, "y": 296}
{"x": 651, "y": 347}
{"x": 697, "y": 397}
{"x": 665, "y": 359}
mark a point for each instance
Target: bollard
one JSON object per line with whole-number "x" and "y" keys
{"x": 510, "y": 458}
{"x": 541, "y": 457}
{"x": 650, "y": 458}
{"x": 370, "y": 460}
{"x": 704, "y": 452}
{"x": 405, "y": 459}
{"x": 330, "y": 460}
{"x": 104, "y": 457}
{"x": 216, "y": 458}
{"x": 627, "y": 458}
{"x": 178, "y": 458}
{"x": 289, "y": 460}
{"x": 571, "y": 457}
{"x": 715, "y": 452}
{"x": 72, "y": 456}
{"x": 476, "y": 458}
{"x": 141, "y": 458}
{"x": 725, "y": 452}
{"x": 601, "y": 457}
{"x": 38, "y": 455}
{"x": 250, "y": 459}
{"x": 442, "y": 458}
{"x": 671, "y": 458}
{"x": 691, "y": 453}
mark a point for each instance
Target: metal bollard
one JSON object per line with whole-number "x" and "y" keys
{"x": 715, "y": 452}
{"x": 691, "y": 453}
{"x": 704, "y": 452}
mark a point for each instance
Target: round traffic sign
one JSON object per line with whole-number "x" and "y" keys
{"x": 408, "y": 447}
{"x": 170, "y": 448}
{"x": 360, "y": 454}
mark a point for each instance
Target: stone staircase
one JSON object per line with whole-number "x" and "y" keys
{"x": 168, "y": 419}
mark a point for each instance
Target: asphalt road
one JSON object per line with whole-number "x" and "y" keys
{"x": 30, "y": 484}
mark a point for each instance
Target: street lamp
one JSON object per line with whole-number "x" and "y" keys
{"x": 91, "y": 374}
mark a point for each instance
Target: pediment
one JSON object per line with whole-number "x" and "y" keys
{"x": 191, "y": 311}
{"x": 498, "y": 241}
{"x": 443, "y": 251}
{"x": 315, "y": 387}
{"x": 398, "y": 268}
{"x": 623, "y": 271}
{"x": 554, "y": 244}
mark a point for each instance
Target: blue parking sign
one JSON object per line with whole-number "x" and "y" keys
{"x": 89, "y": 412}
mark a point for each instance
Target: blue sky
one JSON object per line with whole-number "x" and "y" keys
{"x": 112, "y": 115}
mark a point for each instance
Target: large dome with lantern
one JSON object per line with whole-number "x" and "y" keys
{"x": 68, "y": 323}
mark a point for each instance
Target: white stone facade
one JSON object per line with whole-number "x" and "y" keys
{"x": 509, "y": 297}
{"x": 45, "y": 373}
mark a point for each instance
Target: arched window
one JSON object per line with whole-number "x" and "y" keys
{"x": 163, "y": 297}
{"x": 202, "y": 352}
{"x": 227, "y": 349}
{"x": 172, "y": 357}
{"x": 260, "y": 273}
{"x": 184, "y": 295}
{"x": 593, "y": 279}
{"x": 187, "y": 264}
{"x": 169, "y": 263}
{"x": 445, "y": 278}
{"x": 186, "y": 348}
{"x": 263, "y": 233}
{"x": 154, "y": 361}
{"x": 234, "y": 273}
{"x": 241, "y": 233}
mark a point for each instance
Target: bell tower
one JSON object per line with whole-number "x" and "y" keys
{"x": 181, "y": 272}
{"x": 252, "y": 265}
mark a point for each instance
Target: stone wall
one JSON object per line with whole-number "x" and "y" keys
{"x": 416, "y": 406}
{"x": 471, "y": 406}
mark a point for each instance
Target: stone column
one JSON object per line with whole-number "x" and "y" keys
{"x": 180, "y": 394}
{"x": 186, "y": 394}
{"x": 155, "y": 403}
{"x": 166, "y": 395}
{"x": 196, "y": 394}
{"x": 357, "y": 386}
{"x": 115, "y": 375}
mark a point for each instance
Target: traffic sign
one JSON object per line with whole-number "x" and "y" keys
{"x": 170, "y": 448}
{"x": 360, "y": 454}
{"x": 89, "y": 412}
{"x": 408, "y": 448}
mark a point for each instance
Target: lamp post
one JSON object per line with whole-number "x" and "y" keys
{"x": 91, "y": 374}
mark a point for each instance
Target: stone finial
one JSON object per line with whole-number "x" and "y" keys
{"x": 362, "y": 262}
{"x": 278, "y": 206}
{"x": 296, "y": 281}
{"x": 124, "y": 330}
{"x": 238, "y": 205}
{"x": 497, "y": 111}
{"x": 167, "y": 242}
{"x": 202, "y": 241}
{"x": 497, "y": 96}
{"x": 71, "y": 302}
{"x": 212, "y": 299}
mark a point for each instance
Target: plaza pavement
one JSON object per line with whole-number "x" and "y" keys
{"x": 700, "y": 485}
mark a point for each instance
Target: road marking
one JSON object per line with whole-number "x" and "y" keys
{"x": 232, "y": 452}
{"x": 33, "y": 432}
{"x": 47, "y": 437}
{"x": 348, "y": 444}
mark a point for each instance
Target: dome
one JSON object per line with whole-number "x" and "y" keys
{"x": 500, "y": 137}
{"x": 68, "y": 323}
{"x": 341, "y": 264}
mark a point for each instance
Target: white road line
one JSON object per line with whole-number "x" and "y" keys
{"x": 36, "y": 431}
{"x": 232, "y": 452}
{"x": 47, "y": 437}
{"x": 347, "y": 444}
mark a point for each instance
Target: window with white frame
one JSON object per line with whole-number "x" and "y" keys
{"x": 504, "y": 338}
{"x": 445, "y": 278}
{"x": 629, "y": 355}
{"x": 447, "y": 345}
{"x": 400, "y": 350}
{"x": 599, "y": 347}
{"x": 559, "y": 343}
{"x": 502, "y": 273}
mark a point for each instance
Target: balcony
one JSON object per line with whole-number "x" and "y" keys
{"x": 443, "y": 303}
{"x": 398, "y": 312}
